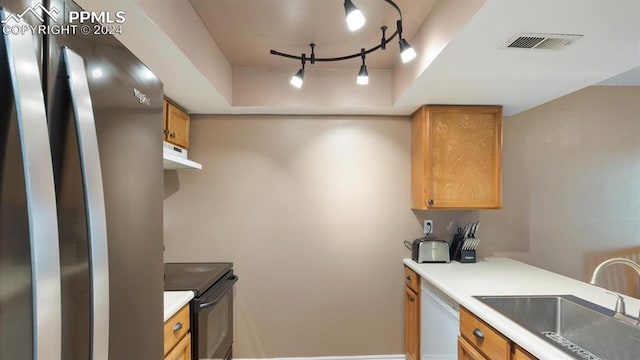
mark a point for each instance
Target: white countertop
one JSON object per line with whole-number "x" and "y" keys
{"x": 500, "y": 276}
{"x": 174, "y": 301}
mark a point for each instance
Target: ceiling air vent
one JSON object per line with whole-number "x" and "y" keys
{"x": 541, "y": 41}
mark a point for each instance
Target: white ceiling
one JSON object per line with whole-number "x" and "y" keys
{"x": 203, "y": 49}
{"x": 473, "y": 68}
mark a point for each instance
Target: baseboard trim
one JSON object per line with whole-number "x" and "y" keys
{"x": 358, "y": 357}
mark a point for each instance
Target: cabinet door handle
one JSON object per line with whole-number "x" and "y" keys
{"x": 412, "y": 299}
{"x": 430, "y": 201}
{"x": 409, "y": 277}
{"x": 478, "y": 333}
{"x": 177, "y": 327}
{"x": 172, "y": 135}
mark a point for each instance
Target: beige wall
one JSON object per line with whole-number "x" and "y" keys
{"x": 571, "y": 181}
{"x": 313, "y": 213}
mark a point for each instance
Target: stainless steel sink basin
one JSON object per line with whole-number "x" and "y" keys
{"x": 578, "y": 327}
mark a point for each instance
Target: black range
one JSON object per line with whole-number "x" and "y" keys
{"x": 211, "y": 308}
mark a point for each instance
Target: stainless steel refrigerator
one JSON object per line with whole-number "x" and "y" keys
{"x": 81, "y": 191}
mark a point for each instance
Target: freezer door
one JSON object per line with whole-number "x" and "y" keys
{"x": 30, "y": 295}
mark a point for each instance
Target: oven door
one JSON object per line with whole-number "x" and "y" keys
{"x": 213, "y": 321}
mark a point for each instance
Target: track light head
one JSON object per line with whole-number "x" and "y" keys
{"x": 297, "y": 79}
{"x": 363, "y": 76}
{"x": 406, "y": 51}
{"x": 355, "y": 19}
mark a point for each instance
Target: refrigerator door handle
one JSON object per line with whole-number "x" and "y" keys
{"x": 31, "y": 118}
{"x": 94, "y": 201}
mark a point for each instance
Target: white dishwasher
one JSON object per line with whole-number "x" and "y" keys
{"x": 439, "y": 325}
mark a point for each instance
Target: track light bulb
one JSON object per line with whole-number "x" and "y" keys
{"x": 355, "y": 19}
{"x": 363, "y": 76}
{"x": 297, "y": 79}
{"x": 406, "y": 51}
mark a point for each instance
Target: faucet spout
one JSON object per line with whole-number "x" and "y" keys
{"x": 595, "y": 280}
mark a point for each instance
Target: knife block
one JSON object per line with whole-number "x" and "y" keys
{"x": 467, "y": 256}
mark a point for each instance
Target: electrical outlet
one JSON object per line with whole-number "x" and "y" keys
{"x": 428, "y": 227}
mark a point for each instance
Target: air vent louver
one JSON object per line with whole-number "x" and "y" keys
{"x": 541, "y": 41}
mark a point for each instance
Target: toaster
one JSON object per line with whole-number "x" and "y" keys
{"x": 427, "y": 250}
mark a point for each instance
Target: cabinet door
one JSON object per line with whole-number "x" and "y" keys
{"x": 177, "y": 126}
{"x": 456, "y": 157}
{"x": 182, "y": 351}
{"x": 411, "y": 324}
{"x": 467, "y": 352}
{"x": 521, "y": 354}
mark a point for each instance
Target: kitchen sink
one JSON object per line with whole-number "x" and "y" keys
{"x": 578, "y": 327}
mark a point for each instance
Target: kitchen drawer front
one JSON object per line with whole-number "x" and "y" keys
{"x": 176, "y": 328}
{"x": 412, "y": 280}
{"x": 483, "y": 337}
{"x": 182, "y": 351}
{"x": 467, "y": 352}
{"x": 520, "y": 354}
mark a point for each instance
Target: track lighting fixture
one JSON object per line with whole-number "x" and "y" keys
{"x": 356, "y": 20}
{"x": 406, "y": 51}
{"x": 298, "y": 78}
{"x": 363, "y": 75}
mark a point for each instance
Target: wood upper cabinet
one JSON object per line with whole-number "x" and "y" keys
{"x": 456, "y": 157}
{"x": 176, "y": 125}
{"x": 411, "y": 315}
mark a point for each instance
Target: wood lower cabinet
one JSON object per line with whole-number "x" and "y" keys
{"x": 456, "y": 157}
{"x": 483, "y": 337}
{"x": 479, "y": 341}
{"x": 411, "y": 314}
{"x": 176, "y": 125}
{"x": 177, "y": 336}
{"x": 466, "y": 351}
{"x": 182, "y": 351}
{"x": 521, "y": 354}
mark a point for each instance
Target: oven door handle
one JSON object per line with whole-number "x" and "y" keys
{"x": 233, "y": 279}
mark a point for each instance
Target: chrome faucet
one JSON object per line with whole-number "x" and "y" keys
{"x": 620, "y": 307}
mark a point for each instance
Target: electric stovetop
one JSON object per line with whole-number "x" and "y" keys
{"x": 197, "y": 277}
